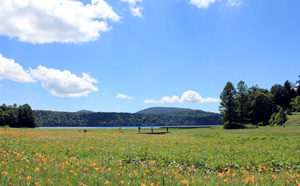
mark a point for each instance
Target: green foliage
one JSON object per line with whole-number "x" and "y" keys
{"x": 281, "y": 96}
{"x": 278, "y": 118}
{"x": 22, "y": 116}
{"x": 261, "y": 108}
{"x": 258, "y": 106}
{"x": 72, "y": 119}
{"x": 228, "y": 105}
{"x": 296, "y": 104}
{"x": 242, "y": 102}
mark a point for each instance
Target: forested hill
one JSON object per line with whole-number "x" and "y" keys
{"x": 158, "y": 118}
{"x": 174, "y": 110}
{"x": 163, "y": 110}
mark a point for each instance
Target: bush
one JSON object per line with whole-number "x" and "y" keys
{"x": 227, "y": 125}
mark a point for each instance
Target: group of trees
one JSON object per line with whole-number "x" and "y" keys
{"x": 258, "y": 106}
{"x": 15, "y": 116}
{"x": 77, "y": 119}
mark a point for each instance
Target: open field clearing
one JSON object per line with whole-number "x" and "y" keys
{"x": 264, "y": 156}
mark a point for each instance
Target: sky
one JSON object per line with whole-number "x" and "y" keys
{"x": 129, "y": 55}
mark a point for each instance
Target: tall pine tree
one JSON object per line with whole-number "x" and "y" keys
{"x": 228, "y": 105}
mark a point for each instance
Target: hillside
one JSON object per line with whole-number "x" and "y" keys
{"x": 293, "y": 120}
{"x": 85, "y": 111}
{"x": 158, "y": 117}
{"x": 168, "y": 111}
{"x": 162, "y": 110}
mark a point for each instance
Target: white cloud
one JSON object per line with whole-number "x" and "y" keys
{"x": 9, "y": 69}
{"x": 64, "y": 83}
{"x": 132, "y": 2}
{"x": 122, "y": 96}
{"x": 187, "y": 97}
{"x": 151, "y": 101}
{"x": 202, "y": 3}
{"x": 63, "y": 21}
{"x": 135, "y": 11}
{"x": 174, "y": 99}
{"x": 235, "y": 2}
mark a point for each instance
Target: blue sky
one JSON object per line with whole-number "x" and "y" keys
{"x": 128, "y": 55}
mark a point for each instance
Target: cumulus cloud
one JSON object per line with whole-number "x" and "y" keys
{"x": 235, "y": 2}
{"x": 63, "y": 21}
{"x": 174, "y": 99}
{"x": 64, "y": 83}
{"x": 135, "y": 10}
{"x": 11, "y": 70}
{"x": 122, "y": 96}
{"x": 202, "y": 3}
{"x": 187, "y": 97}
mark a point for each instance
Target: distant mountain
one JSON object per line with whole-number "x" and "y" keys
{"x": 162, "y": 110}
{"x": 176, "y": 111}
{"x": 85, "y": 111}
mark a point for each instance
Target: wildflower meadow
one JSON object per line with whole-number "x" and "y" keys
{"x": 263, "y": 156}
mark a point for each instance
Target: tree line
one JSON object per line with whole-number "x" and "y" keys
{"x": 15, "y": 116}
{"x": 258, "y": 106}
{"x": 103, "y": 119}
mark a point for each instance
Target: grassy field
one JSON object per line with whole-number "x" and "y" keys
{"x": 209, "y": 156}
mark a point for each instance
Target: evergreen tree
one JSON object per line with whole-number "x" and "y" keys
{"x": 281, "y": 96}
{"x": 242, "y": 102}
{"x": 290, "y": 90}
{"x": 228, "y": 105}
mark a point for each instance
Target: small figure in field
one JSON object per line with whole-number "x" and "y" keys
{"x": 283, "y": 126}
{"x": 167, "y": 128}
{"x": 151, "y": 128}
{"x": 139, "y": 129}
{"x": 84, "y": 130}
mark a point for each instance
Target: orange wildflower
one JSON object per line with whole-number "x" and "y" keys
{"x": 107, "y": 182}
{"x": 184, "y": 182}
{"x": 28, "y": 177}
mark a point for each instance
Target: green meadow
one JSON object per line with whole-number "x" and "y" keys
{"x": 204, "y": 156}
